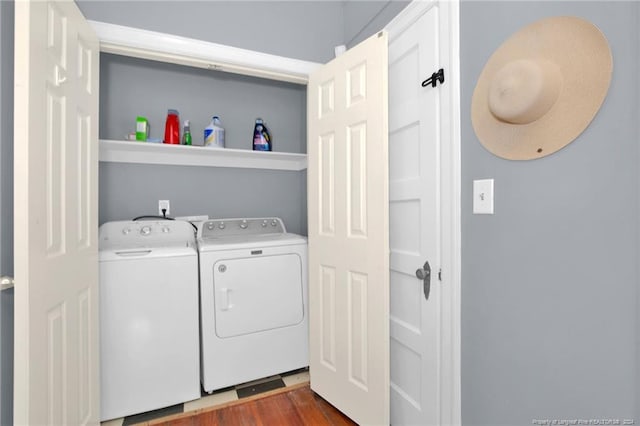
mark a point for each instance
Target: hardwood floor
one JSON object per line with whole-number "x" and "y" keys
{"x": 295, "y": 407}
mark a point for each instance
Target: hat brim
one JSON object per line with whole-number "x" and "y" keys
{"x": 583, "y": 56}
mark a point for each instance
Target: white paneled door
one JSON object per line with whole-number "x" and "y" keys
{"x": 348, "y": 232}
{"x": 420, "y": 141}
{"x": 56, "y": 190}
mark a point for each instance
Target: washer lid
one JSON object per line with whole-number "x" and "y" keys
{"x": 155, "y": 237}
{"x": 245, "y": 241}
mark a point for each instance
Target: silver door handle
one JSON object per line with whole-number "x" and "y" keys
{"x": 6, "y": 282}
{"x": 424, "y": 274}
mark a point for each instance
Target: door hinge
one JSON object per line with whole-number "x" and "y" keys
{"x": 434, "y": 79}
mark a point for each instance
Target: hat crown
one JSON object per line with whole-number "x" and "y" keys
{"x": 524, "y": 90}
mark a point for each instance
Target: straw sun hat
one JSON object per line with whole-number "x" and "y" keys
{"x": 541, "y": 88}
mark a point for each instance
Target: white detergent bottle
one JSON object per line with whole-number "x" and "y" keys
{"x": 214, "y": 133}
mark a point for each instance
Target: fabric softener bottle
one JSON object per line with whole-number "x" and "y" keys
{"x": 261, "y": 138}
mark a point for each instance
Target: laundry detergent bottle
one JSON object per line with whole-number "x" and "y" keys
{"x": 214, "y": 133}
{"x": 261, "y": 138}
{"x": 172, "y": 127}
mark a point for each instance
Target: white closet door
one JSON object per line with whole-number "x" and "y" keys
{"x": 423, "y": 388}
{"x": 56, "y": 190}
{"x": 348, "y": 232}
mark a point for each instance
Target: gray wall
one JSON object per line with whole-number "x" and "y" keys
{"x": 362, "y": 19}
{"x": 6, "y": 210}
{"x": 6, "y": 357}
{"x": 550, "y": 282}
{"x": 6, "y": 138}
{"x": 129, "y": 87}
{"x": 300, "y": 29}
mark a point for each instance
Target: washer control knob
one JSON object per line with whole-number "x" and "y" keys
{"x": 145, "y": 230}
{"x": 210, "y": 226}
{"x": 244, "y": 224}
{"x": 165, "y": 229}
{"x": 264, "y": 223}
{"x": 222, "y": 225}
{"x": 274, "y": 223}
{"x": 126, "y": 231}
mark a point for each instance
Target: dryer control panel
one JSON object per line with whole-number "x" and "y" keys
{"x": 241, "y": 226}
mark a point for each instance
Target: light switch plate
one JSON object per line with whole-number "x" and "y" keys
{"x": 483, "y": 196}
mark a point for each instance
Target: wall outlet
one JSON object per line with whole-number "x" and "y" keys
{"x": 164, "y": 204}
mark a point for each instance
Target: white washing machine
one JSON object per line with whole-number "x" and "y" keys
{"x": 253, "y": 296}
{"x": 149, "y": 339}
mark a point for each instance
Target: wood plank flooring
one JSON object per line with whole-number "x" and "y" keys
{"x": 299, "y": 406}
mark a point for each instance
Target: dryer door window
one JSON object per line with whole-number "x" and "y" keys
{"x": 256, "y": 294}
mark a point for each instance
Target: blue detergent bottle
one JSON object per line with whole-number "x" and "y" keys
{"x": 261, "y": 138}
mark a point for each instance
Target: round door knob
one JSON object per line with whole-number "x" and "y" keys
{"x": 421, "y": 274}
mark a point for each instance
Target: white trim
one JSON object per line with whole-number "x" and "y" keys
{"x": 180, "y": 155}
{"x": 164, "y": 47}
{"x": 450, "y": 174}
{"x": 451, "y": 216}
{"x": 407, "y": 17}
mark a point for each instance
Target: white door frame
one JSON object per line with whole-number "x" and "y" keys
{"x": 450, "y": 177}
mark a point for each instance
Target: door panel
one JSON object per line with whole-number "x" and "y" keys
{"x": 414, "y": 214}
{"x": 56, "y": 170}
{"x": 348, "y": 232}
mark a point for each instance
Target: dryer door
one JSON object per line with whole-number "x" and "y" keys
{"x": 256, "y": 294}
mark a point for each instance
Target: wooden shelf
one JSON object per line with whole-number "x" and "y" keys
{"x": 180, "y": 155}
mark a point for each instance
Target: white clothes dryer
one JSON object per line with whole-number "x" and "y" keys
{"x": 149, "y": 340}
{"x": 253, "y": 296}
